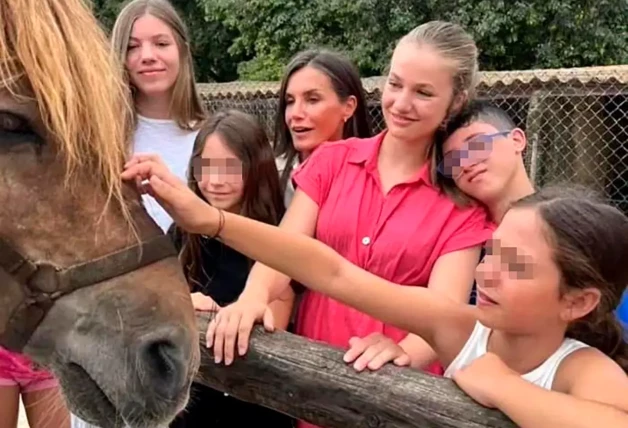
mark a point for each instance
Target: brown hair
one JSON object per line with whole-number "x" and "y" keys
{"x": 186, "y": 106}
{"x": 590, "y": 243}
{"x": 346, "y": 82}
{"x": 457, "y": 46}
{"x": 262, "y": 198}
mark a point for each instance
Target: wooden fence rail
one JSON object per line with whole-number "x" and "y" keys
{"x": 309, "y": 381}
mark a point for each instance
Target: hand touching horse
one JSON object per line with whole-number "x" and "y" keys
{"x": 89, "y": 287}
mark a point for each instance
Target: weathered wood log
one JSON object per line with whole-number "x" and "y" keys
{"x": 309, "y": 381}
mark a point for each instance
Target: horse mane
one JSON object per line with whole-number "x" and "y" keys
{"x": 56, "y": 52}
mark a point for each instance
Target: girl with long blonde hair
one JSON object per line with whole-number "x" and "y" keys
{"x": 151, "y": 40}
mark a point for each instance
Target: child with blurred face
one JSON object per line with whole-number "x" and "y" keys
{"x": 483, "y": 156}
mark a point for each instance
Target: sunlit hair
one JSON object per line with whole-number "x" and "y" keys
{"x": 457, "y": 47}
{"x": 186, "y": 106}
{"x": 56, "y": 52}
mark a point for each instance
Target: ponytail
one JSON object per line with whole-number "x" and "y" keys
{"x": 602, "y": 330}
{"x": 590, "y": 242}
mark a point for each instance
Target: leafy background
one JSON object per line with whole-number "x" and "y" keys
{"x": 254, "y": 39}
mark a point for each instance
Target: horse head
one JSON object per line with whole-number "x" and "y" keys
{"x": 89, "y": 286}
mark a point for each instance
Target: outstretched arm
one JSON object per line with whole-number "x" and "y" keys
{"x": 308, "y": 261}
{"x": 266, "y": 284}
{"x": 451, "y": 276}
{"x": 322, "y": 269}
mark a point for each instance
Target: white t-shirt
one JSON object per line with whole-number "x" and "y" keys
{"x": 174, "y": 145}
{"x": 280, "y": 162}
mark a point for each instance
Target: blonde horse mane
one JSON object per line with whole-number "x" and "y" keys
{"x": 56, "y": 52}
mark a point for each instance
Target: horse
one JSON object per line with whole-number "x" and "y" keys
{"x": 90, "y": 287}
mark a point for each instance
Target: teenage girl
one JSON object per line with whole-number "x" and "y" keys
{"x": 152, "y": 42}
{"x": 232, "y": 168}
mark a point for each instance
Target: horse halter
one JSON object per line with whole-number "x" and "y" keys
{"x": 29, "y": 288}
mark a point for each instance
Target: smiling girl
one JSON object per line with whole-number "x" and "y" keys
{"x": 152, "y": 42}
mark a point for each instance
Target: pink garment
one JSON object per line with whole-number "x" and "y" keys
{"x": 18, "y": 370}
{"x": 398, "y": 236}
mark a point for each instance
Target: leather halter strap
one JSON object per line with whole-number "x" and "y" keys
{"x": 28, "y": 289}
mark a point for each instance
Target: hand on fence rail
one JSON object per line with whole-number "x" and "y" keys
{"x": 373, "y": 351}
{"x": 235, "y": 323}
{"x": 483, "y": 378}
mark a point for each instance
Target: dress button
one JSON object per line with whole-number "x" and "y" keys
{"x": 366, "y": 240}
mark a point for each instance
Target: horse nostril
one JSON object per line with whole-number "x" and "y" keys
{"x": 165, "y": 361}
{"x": 162, "y": 357}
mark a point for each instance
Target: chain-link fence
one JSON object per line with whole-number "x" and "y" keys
{"x": 576, "y": 120}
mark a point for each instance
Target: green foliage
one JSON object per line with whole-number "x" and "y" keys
{"x": 519, "y": 34}
{"x": 254, "y": 39}
{"x": 210, "y": 38}
{"x": 544, "y": 33}
{"x": 272, "y": 31}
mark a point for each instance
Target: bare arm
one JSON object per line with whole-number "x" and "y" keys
{"x": 596, "y": 394}
{"x": 306, "y": 260}
{"x": 320, "y": 268}
{"x": 452, "y": 277}
{"x": 269, "y": 285}
{"x": 281, "y": 309}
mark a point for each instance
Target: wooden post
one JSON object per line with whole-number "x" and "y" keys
{"x": 309, "y": 381}
{"x": 534, "y": 128}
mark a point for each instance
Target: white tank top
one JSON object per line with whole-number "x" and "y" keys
{"x": 542, "y": 376}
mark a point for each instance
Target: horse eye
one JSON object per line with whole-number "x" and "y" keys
{"x": 10, "y": 122}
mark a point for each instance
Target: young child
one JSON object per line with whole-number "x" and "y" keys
{"x": 39, "y": 390}
{"x": 232, "y": 168}
{"x": 542, "y": 345}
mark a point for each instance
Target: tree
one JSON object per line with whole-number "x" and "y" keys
{"x": 515, "y": 35}
{"x": 254, "y": 39}
{"x": 511, "y": 35}
{"x": 210, "y": 39}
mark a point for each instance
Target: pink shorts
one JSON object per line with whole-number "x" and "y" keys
{"x": 18, "y": 370}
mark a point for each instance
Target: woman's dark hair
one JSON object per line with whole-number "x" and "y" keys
{"x": 590, "y": 245}
{"x": 262, "y": 197}
{"x": 346, "y": 82}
